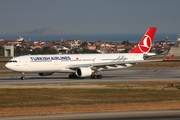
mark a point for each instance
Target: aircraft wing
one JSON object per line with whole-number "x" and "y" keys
{"x": 118, "y": 63}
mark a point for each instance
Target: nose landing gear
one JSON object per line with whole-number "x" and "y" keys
{"x": 22, "y": 76}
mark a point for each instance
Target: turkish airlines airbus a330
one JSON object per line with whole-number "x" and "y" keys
{"x": 84, "y": 65}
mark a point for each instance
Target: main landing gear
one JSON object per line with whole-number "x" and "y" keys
{"x": 22, "y": 76}
{"x": 93, "y": 76}
{"x": 96, "y": 76}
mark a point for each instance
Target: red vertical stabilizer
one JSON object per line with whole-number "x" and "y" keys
{"x": 145, "y": 43}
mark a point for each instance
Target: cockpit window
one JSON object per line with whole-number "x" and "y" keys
{"x": 14, "y": 61}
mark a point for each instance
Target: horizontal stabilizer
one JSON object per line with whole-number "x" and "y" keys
{"x": 169, "y": 57}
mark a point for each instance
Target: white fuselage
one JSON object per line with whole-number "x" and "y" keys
{"x": 63, "y": 62}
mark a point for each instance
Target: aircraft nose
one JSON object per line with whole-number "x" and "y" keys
{"x": 11, "y": 66}
{"x": 6, "y": 65}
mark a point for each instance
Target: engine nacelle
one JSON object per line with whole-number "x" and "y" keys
{"x": 84, "y": 72}
{"x": 45, "y": 74}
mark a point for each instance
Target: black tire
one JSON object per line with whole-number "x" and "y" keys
{"x": 92, "y": 76}
{"x": 99, "y": 76}
{"x": 22, "y": 78}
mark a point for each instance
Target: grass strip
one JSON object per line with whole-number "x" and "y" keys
{"x": 119, "y": 92}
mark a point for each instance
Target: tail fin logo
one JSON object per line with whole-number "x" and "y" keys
{"x": 145, "y": 44}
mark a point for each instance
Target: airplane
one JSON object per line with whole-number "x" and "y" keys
{"x": 84, "y": 65}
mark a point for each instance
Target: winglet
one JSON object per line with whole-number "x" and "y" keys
{"x": 169, "y": 57}
{"x": 144, "y": 46}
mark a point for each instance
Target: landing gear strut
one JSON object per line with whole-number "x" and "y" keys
{"x": 22, "y": 76}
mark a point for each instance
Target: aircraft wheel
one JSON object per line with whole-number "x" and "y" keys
{"x": 99, "y": 76}
{"x": 96, "y": 76}
{"x": 23, "y": 78}
{"x": 93, "y": 76}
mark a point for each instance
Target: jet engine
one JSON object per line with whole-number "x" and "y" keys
{"x": 84, "y": 72}
{"x": 45, "y": 74}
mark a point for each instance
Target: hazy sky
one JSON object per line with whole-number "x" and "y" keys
{"x": 90, "y": 16}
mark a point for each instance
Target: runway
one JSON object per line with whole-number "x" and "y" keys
{"x": 137, "y": 115}
{"x": 129, "y": 74}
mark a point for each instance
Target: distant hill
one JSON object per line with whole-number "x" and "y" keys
{"x": 43, "y": 31}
